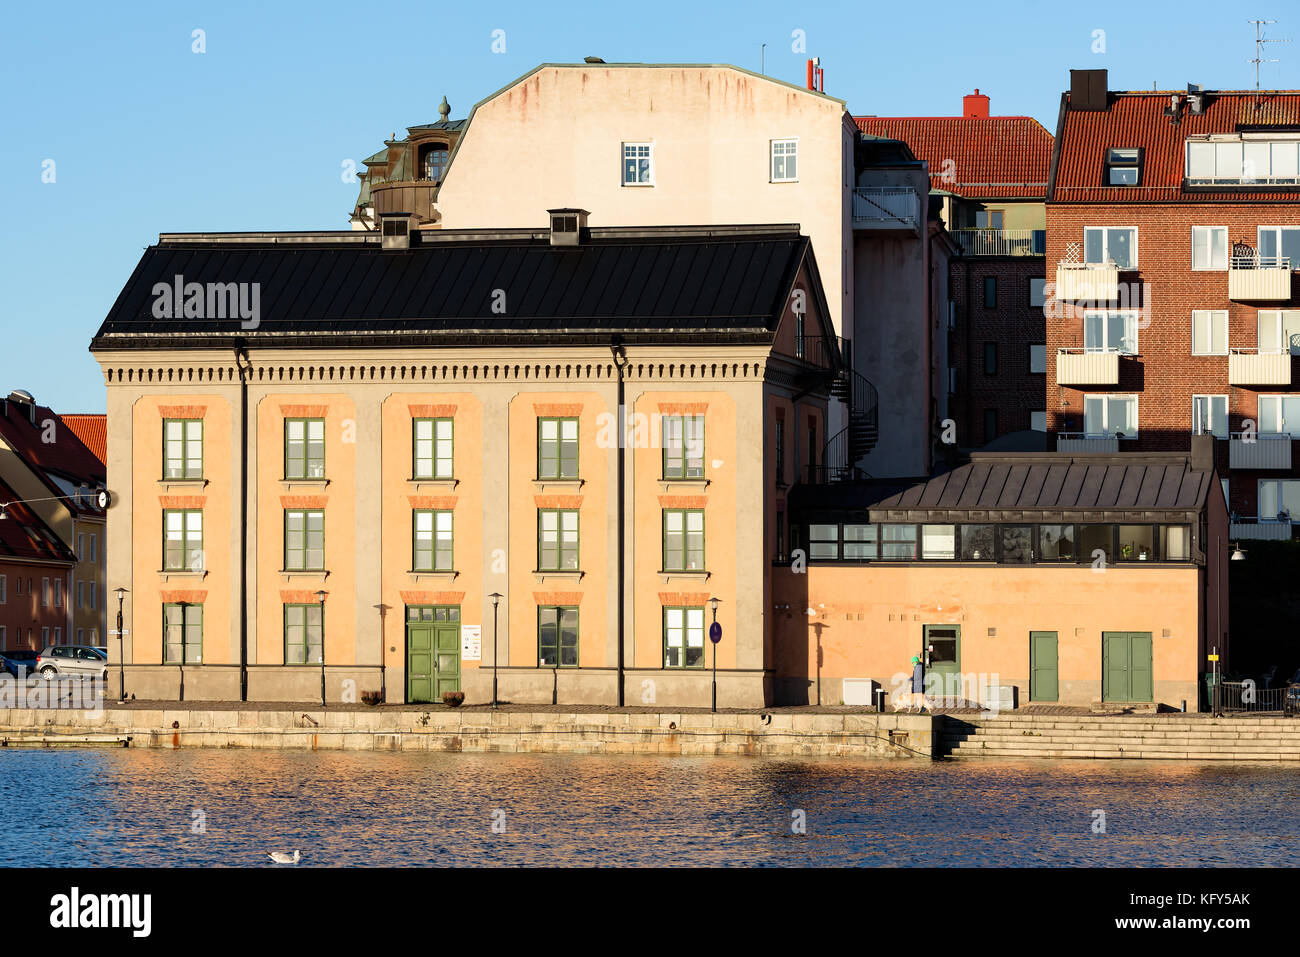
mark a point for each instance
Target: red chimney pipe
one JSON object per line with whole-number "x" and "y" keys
{"x": 815, "y": 81}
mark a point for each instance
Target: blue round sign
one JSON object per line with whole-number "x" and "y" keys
{"x": 715, "y": 633}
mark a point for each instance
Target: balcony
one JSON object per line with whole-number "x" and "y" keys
{"x": 1081, "y": 442}
{"x": 1261, "y": 279}
{"x": 1259, "y": 529}
{"x": 1080, "y": 367}
{"x": 1252, "y": 367}
{"x": 1001, "y": 242}
{"x": 1087, "y": 282}
{"x": 887, "y": 209}
{"x": 1259, "y": 451}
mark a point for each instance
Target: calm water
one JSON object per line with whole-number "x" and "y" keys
{"x": 127, "y": 807}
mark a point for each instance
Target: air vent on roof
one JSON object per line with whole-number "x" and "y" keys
{"x": 395, "y": 230}
{"x": 567, "y": 226}
{"x": 592, "y": 59}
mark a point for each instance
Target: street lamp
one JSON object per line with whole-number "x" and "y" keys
{"x": 120, "y": 592}
{"x": 715, "y": 635}
{"x": 184, "y": 606}
{"x": 320, "y": 596}
{"x": 496, "y": 601}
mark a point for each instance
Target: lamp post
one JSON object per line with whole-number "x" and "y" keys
{"x": 1238, "y": 555}
{"x": 185, "y": 607}
{"x": 715, "y": 636}
{"x": 320, "y": 596}
{"x": 496, "y": 601}
{"x": 121, "y": 669}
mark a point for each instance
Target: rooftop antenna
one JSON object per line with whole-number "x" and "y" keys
{"x": 1260, "y": 40}
{"x": 762, "y": 60}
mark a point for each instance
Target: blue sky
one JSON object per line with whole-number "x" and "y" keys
{"x": 148, "y": 136}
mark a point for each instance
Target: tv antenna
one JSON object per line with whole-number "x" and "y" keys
{"x": 1260, "y": 40}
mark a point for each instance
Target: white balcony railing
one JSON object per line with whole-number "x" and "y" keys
{"x": 1083, "y": 367}
{"x": 1085, "y": 442}
{"x": 1263, "y": 278}
{"x": 1087, "y": 282}
{"x": 886, "y": 208}
{"x": 1260, "y": 529}
{"x": 1252, "y": 367}
{"x": 1247, "y": 450}
{"x": 1001, "y": 242}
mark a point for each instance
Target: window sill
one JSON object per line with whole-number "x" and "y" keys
{"x": 434, "y": 574}
{"x": 183, "y": 483}
{"x": 444, "y": 484}
{"x": 639, "y": 185}
{"x": 567, "y": 574}
{"x": 569, "y": 483}
{"x": 699, "y": 483}
{"x": 697, "y": 574}
{"x": 166, "y": 573}
{"x": 319, "y": 574}
{"x": 309, "y": 482}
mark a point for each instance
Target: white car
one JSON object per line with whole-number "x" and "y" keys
{"x": 83, "y": 660}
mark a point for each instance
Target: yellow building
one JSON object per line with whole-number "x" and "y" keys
{"x": 328, "y": 452}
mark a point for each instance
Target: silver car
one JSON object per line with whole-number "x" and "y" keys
{"x": 84, "y": 660}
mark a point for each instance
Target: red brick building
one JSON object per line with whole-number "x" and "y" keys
{"x": 35, "y": 572}
{"x": 1173, "y": 233}
{"x": 990, "y": 175}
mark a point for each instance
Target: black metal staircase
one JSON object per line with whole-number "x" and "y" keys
{"x": 842, "y": 451}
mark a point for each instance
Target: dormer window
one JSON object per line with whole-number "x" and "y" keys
{"x": 1249, "y": 160}
{"x": 1124, "y": 166}
{"x": 567, "y": 225}
{"x": 434, "y": 164}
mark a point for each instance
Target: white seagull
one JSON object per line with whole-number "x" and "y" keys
{"x": 280, "y": 857}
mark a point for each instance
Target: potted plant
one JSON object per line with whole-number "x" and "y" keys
{"x": 1126, "y": 551}
{"x": 372, "y": 698}
{"x": 453, "y": 699}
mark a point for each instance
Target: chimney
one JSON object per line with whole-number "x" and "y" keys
{"x": 815, "y": 81}
{"x": 1088, "y": 91}
{"x": 975, "y": 106}
{"x": 1201, "y": 457}
{"x": 567, "y": 226}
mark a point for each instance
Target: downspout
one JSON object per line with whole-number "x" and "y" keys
{"x": 620, "y": 363}
{"x": 244, "y": 366}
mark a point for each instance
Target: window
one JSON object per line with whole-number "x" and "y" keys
{"x": 1110, "y": 332}
{"x": 1241, "y": 161}
{"x": 990, "y": 425}
{"x": 1279, "y": 499}
{"x": 1056, "y": 543}
{"x": 182, "y": 449}
{"x": 557, "y": 539}
{"x": 684, "y": 637}
{"x": 91, "y": 591}
{"x": 824, "y": 541}
{"x": 1094, "y": 538}
{"x": 4, "y": 589}
{"x": 780, "y": 452}
{"x": 785, "y": 161}
{"x": 683, "y": 440}
{"x": 304, "y": 540}
{"x": 182, "y": 633}
{"x": 557, "y": 636}
{"x": 1123, "y": 166}
{"x": 1016, "y": 544}
{"x": 431, "y": 541}
{"x": 859, "y": 542}
{"x": 1038, "y": 420}
{"x": 1137, "y": 543}
{"x": 977, "y": 543}
{"x": 1110, "y": 415}
{"x": 45, "y": 639}
{"x": 94, "y": 547}
{"x": 1209, "y": 247}
{"x": 431, "y": 448}
{"x": 1037, "y": 357}
{"x": 302, "y": 634}
{"x": 1175, "y": 543}
{"x": 990, "y": 358}
{"x": 435, "y": 162}
{"x": 1278, "y": 330}
{"x": 637, "y": 164}
{"x": 990, "y": 292}
{"x": 1279, "y": 415}
{"x": 45, "y": 592}
{"x": 952, "y": 380}
{"x": 1279, "y": 241}
{"x": 938, "y": 541}
{"x": 1105, "y": 244}
{"x": 1210, "y": 415}
{"x": 1209, "y": 332}
{"x": 182, "y": 540}
{"x": 683, "y": 540}
{"x": 1037, "y": 291}
{"x": 898, "y": 542}
{"x": 304, "y": 448}
{"x": 58, "y": 593}
{"x": 81, "y": 546}
{"x": 557, "y": 448}
{"x": 988, "y": 219}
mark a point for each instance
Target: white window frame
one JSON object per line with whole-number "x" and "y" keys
{"x": 622, "y": 162}
{"x": 45, "y": 593}
{"x": 1277, "y": 398}
{"x": 1106, "y": 431}
{"x": 1105, "y": 245}
{"x": 1130, "y": 331}
{"x": 989, "y": 214}
{"x": 1259, "y": 240}
{"x": 771, "y": 160}
{"x": 1259, "y": 497}
{"x": 1210, "y": 313}
{"x": 58, "y": 593}
{"x": 1227, "y": 249}
{"x": 1281, "y": 343}
{"x": 1218, "y": 429}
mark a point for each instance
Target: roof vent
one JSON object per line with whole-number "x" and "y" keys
{"x": 567, "y": 226}
{"x": 592, "y": 59}
{"x": 395, "y": 230}
{"x": 23, "y": 396}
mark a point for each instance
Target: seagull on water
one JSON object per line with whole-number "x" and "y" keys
{"x": 280, "y": 857}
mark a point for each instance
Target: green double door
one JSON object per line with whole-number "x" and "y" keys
{"x": 1044, "y": 684}
{"x": 1126, "y": 672}
{"x": 432, "y": 652}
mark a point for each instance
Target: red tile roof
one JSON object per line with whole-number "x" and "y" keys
{"x": 92, "y": 429}
{"x": 24, "y": 535}
{"x": 66, "y": 458}
{"x": 1139, "y": 119}
{"x": 998, "y": 156}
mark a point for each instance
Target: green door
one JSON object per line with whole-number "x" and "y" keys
{"x": 419, "y": 663}
{"x": 1042, "y": 666}
{"x": 446, "y": 640}
{"x": 1126, "y": 672}
{"x": 943, "y": 642}
{"x": 432, "y": 651}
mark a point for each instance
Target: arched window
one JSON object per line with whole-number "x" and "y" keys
{"x": 434, "y": 162}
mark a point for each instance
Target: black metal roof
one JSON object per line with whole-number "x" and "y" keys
{"x": 1051, "y": 485}
{"x": 727, "y": 283}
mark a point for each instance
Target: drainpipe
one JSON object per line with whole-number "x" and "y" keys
{"x": 620, "y": 362}
{"x": 241, "y": 361}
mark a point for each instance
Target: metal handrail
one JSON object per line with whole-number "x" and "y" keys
{"x": 1260, "y": 262}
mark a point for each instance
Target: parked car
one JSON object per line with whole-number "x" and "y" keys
{"x": 12, "y": 661}
{"x": 83, "y": 660}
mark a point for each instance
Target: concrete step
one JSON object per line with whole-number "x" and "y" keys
{"x": 1244, "y": 737}
{"x": 1089, "y": 745}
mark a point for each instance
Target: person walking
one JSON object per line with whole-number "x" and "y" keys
{"x": 918, "y": 682}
